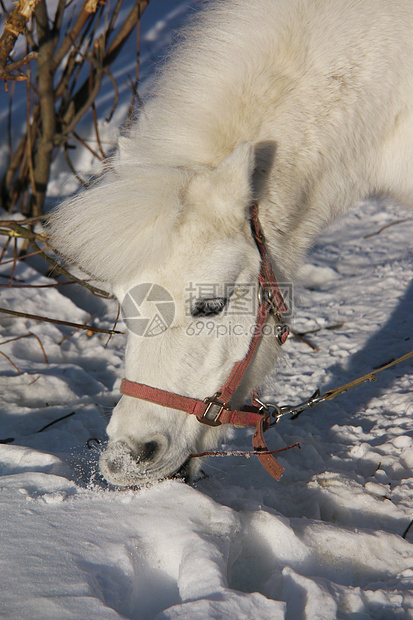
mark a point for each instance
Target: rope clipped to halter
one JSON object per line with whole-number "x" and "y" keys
{"x": 216, "y": 410}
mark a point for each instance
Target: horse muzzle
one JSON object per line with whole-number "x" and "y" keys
{"x": 127, "y": 463}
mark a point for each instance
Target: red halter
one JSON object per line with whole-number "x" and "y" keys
{"x": 216, "y": 410}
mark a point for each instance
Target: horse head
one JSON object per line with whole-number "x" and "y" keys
{"x": 175, "y": 245}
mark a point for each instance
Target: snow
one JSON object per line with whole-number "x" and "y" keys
{"x": 324, "y": 542}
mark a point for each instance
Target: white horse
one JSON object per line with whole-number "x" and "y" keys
{"x": 303, "y": 106}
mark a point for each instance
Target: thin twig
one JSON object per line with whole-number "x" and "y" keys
{"x": 46, "y": 319}
{"x": 301, "y": 338}
{"x": 86, "y": 145}
{"x": 64, "y": 417}
{"x": 408, "y": 219}
{"x": 19, "y": 231}
{"x": 12, "y": 66}
{"x": 406, "y": 531}
{"x": 301, "y": 335}
{"x": 54, "y": 285}
{"x": 13, "y": 269}
{"x": 71, "y": 166}
{"x": 92, "y": 316}
{"x": 114, "y": 325}
{"x": 115, "y": 97}
{"x": 28, "y": 336}
{"x": 246, "y": 453}
{"x": 23, "y": 257}
{"x": 6, "y": 245}
{"x": 11, "y": 362}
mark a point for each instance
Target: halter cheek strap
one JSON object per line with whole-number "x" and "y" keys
{"x": 216, "y": 410}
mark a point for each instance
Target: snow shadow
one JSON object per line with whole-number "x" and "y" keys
{"x": 137, "y": 594}
{"x": 394, "y": 339}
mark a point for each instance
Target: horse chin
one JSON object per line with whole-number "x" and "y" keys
{"x": 120, "y": 467}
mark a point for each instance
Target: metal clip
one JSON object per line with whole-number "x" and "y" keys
{"x": 310, "y": 402}
{"x": 266, "y": 294}
{"x": 277, "y": 412}
{"x": 210, "y": 415}
{"x": 270, "y": 410}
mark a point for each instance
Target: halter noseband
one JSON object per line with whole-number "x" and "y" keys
{"x": 216, "y": 410}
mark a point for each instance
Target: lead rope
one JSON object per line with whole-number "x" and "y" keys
{"x": 294, "y": 411}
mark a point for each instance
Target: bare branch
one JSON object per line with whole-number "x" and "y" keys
{"x": 87, "y": 10}
{"x": 28, "y": 335}
{"x": 11, "y": 362}
{"x": 15, "y": 24}
{"x": 46, "y": 319}
{"x": 47, "y": 45}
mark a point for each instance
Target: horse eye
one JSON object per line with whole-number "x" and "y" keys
{"x": 209, "y": 307}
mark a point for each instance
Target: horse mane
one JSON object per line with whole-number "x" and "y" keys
{"x": 231, "y": 78}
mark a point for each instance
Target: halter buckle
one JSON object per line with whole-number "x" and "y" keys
{"x": 211, "y": 415}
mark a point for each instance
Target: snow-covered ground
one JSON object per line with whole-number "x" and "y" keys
{"x": 323, "y": 542}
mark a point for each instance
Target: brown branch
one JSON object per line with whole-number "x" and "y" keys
{"x": 18, "y": 285}
{"x": 88, "y": 8}
{"x": 59, "y": 15}
{"x": 11, "y": 362}
{"x": 75, "y": 331}
{"x": 63, "y": 417}
{"x": 124, "y": 32}
{"x": 71, "y": 166}
{"x": 82, "y": 99}
{"x": 18, "y": 64}
{"x": 13, "y": 269}
{"x": 30, "y": 334}
{"x": 46, "y": 319}
{"x": 137, "y": 68}
{"x": 408, "y": 219}
{"x": 15, "y": 24}
{"x": 113, "y": 19}
{"x": 10, "y": 260}
{"x": 42, "y": 161}
{"x": 59, "y": 104}
{"x": 19, "y": 231}
{"x": 89, "y": 92}
{"x": 115, "y": 97}
{"x": 29, "y": 136}
{"x": 5, "y": 248}
{"x": 96, "y": 127}
{"x": 85, "y": 145}
{"x": 301, "y": 338}
{"x": 114, "y": 325}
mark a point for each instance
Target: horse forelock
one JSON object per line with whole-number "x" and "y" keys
{"x": 123, "y": 223}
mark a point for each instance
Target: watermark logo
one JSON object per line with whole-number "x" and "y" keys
{"x": 148, "y": 310}
{"x": 242, "y": 299}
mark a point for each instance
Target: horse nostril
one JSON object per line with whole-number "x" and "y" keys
{"x": 120, "y": 457}
{"x": 148, "y": 451}
{"x": 117, "y": 460}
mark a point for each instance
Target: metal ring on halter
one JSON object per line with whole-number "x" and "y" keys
{"x": 266, "y": 294}
{"x": 276, "y": 412}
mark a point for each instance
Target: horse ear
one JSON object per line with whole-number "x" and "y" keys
{"x": 227, "y": 189}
